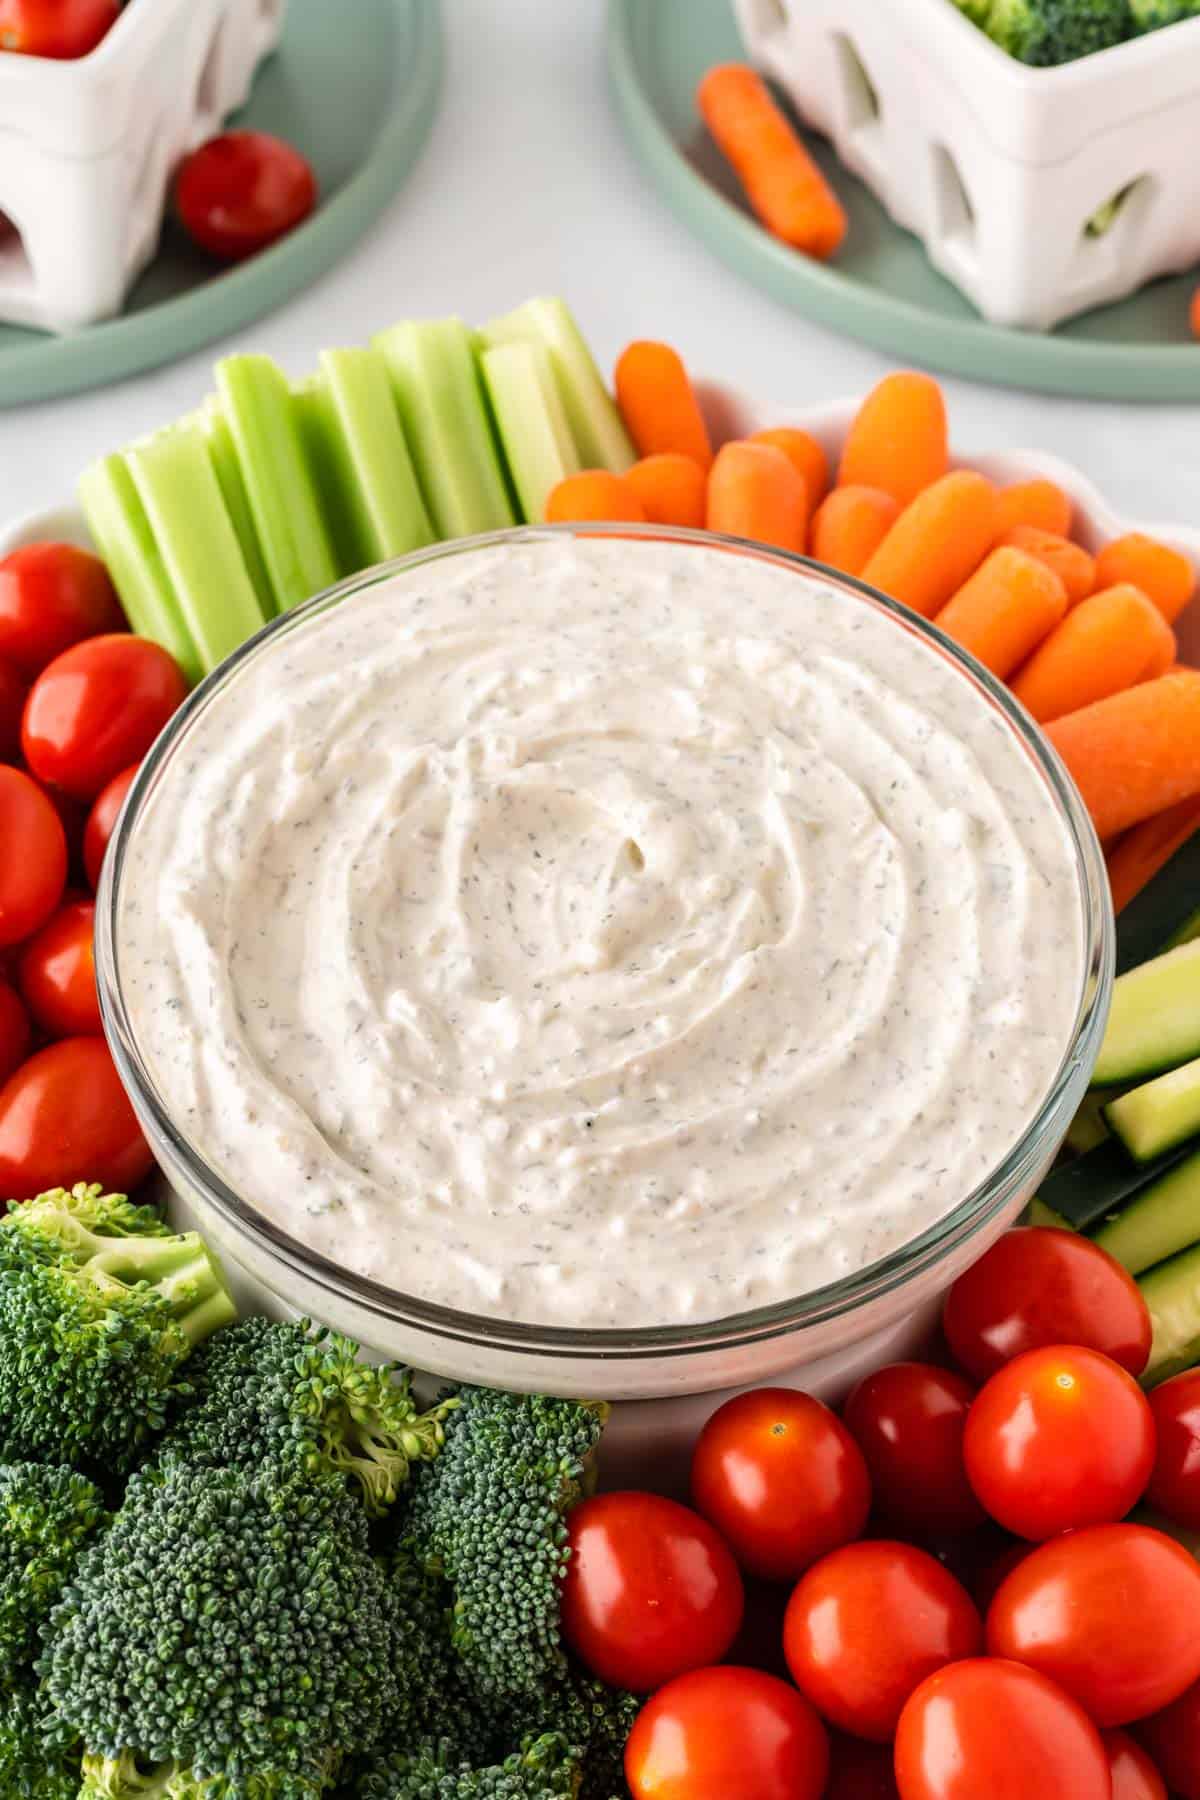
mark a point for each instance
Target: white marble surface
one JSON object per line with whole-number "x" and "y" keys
{"x": 527, "y": 187}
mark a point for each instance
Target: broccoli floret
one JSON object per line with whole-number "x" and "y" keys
{"x": 1152, "y": 15}
{"x": 46, "y": 1515}
{"x": 976, "y": 10}
{"x": 264, "y": 1392}
{"x": 30, "y": 1768}
{"x": 232, "y": 1627}
{"x": 597, "y": 1718}
{"x": 544, "y": 1768}
{"x": 99, "y": 1308}
{"x": 1046, "y": 32}
{"x": 490, "y": 1513}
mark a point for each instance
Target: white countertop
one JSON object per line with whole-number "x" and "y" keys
{"x": 527, "y": 187}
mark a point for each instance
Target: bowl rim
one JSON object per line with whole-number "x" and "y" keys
{"x": 985, "y": 1201}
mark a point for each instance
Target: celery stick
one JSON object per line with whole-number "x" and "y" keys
{"x": 441, "y": 401}
{"x": 375, "y": 487}
{"x": 317, "y": 433}
{"x": 531, "y": 420}
{"x": 600, "y": 438}
{"x": 283, "y": 495}
{"x": 125, "y": 539}
{"x": 179, "y": 489}
{"x": 223, "y": 453}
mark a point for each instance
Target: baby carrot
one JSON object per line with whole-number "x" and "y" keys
{"x": 1136, "y": 753}
{"x": 1005, "y": 610}
{"x": 657, "y": 403}
{"x": 1137, "y": 857}
{"x": 807, "y": 455}
{"x": 898, "y": 441}
{"x": 593, "y": 494}
{"x": 1040, "y": 502}
{"x": 850, "y": 525}
{"x": 937, "y": 541}
{"x": 755, "y": 492}
{"x": 1194, "y": 313}
{"x": 783, "y": 184}
{"x": 1105, "y": 644}
{"x": 1070, "y": 562}
{"x": 671, "y": 488}
{"x": 1165, "y": 575}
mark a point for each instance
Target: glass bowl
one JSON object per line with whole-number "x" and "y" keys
{"x": 824, "y": 1329}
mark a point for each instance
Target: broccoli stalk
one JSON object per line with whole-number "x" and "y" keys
{"x": 100, "y": 1305}
{"x": 1044, "y": 33}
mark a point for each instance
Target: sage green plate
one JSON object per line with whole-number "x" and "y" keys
{"x": 356, "y": 90}
{"x": 881, "y": 288}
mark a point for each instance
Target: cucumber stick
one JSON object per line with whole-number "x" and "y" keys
{"x": 361, "y": 460}
{"x": 1154, "y": 1023}
{"x": 1172, "y": 1294}
{"x": 178, "y": 488}
{"x": 1159, "y": 1114}
{"x": 283, "y": 495}
{"x": 1090, "y": 1188}
{"x": 1160, "y": 1220}
{"x": 531, "y": 421}
{"x": 125, "y": 539}
{"x": 600, "y": 437}
{"x": 1165, "y": 913}
{"x": 223, "y": 453}
{"x": 440, "y": 396}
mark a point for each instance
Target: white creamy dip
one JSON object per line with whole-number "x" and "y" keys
{"x": 601, "y": 933}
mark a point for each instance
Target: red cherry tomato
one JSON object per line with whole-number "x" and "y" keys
{"x": 1175, "y": 1484}
{"x": 58, "y": 973}
{"x": 242, "y": 190}
{"x": 716, "y": 1733}
{"x": 1172, "y": 1737}
{"x": 33, "y": 860}
{"x": 867, "y": 1624}
{"x": 15, "y": 1031}
{"x": 1134, "y": 1776}
{"x": 64, "y": 29}
{"x": 12, "y": 702}
{"x": 650, "y": 1590}
{"x": 908, "y": 1421}
{"x": 990, "y": 1730}
{"x": 1058, "y": 1439}
{"x": 102, "y": 821}
{"x": 782, "y": 1480}
{"x": 52, "y": 596}
{"x": 97, "y": 708}
{"x": 64, "y": 1117}
{"x": 1111, "y": 1613}
{"x": 860, "y": 1771}
{"x": 1039, "y": 1286}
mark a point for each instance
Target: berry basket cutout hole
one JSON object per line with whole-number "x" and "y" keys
{"x": 860, "y": 100}
{"x": 767, "y": 18}
{"x": 209, "y": 86}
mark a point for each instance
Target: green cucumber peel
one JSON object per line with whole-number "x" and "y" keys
{"x": 1091, "y": 1187}
{"x": 1161, "y": 1218}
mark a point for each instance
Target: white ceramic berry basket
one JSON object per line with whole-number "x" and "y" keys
{"x": 659, "y": 1432}
{"x": 87, "y": 148}
{"x": 996, "y": 167}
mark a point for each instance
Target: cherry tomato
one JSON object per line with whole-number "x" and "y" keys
{"x": 1172, "y": 1737}
{"x": 52, "y": 596}
{"x": 64, "y": 1117}
{"x": 15, "y": 1031}
{"x": 64, "y": 29}
{"x": 991, "y": 1730}
{"x": 33, "y": 863}
{"x": 242, "y": 190}
{"x": 102, "y": 821}
{"x": 1134, "y": 1776}
{"x": 1175, "y": 1484}
{"x": 12, "y": 701}
{"x": 1111, "y": 1613}
{"x": 867, "y": 1624}
{"x": 58, "y": 973}
{"x": 1039, "y": 1286}
{"x": 859, "y": 1771}
{"x": 719, "y": 1732}
{"x": 1059, "y": 1438}
{"x": 97, "y": 708}
{"x": 908, "y": 1421}
{"x": 782, "y": 1480}
{"x": 650, "y": 1590}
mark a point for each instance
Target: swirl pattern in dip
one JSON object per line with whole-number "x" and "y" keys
{"x": 601, "y": 933}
